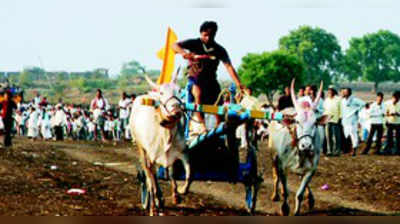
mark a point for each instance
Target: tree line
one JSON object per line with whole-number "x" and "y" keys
{"x": 56, "y": 82}
{"x": 312, "y": 55}
{"x": 309, "y": 54}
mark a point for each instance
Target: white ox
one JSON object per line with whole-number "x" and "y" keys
{"x": 296, "y": 145}
{"x": 160, "y": 137}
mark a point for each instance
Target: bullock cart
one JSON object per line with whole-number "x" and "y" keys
{"x": 214, "y": 156}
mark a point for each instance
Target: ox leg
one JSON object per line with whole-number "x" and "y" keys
{"x": 150, "y": 180}
{"x": 174, "y": 186}
{"x": 185, "y": 188}
{"x": 151, "y": 185}
{"x": 285, "y": 193}
{"x": 159, "y": 197}
{"x": 276, "y": 179}
{"x": 300, "y": 192}
{"x": 310, "y": 198}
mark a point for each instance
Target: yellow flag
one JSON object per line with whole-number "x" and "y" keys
{"x": 167, "y": 54}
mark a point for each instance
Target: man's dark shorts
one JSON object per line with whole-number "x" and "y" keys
{"x": 210, "y": 89}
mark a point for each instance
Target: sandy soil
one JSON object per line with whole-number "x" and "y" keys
{"x": 35, "y": 176}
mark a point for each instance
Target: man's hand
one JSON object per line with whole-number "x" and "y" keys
{"x": 244, "y": 89}
{"x": 234, "y": 76}
{"x": 188, "y": 56}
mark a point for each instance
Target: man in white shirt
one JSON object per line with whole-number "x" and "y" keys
{"x": 306, "y": 96}
{"x": 60, "y": 119}
{"x": 333, "y": 136}
{"x": 98, "y": 106}
{"x": 377, "y": 117}
{"x": 393, "y": 123}
{"x": 123, "y": 106}
{"x": 37, "y": 99}
{"x": 45, "y": 126}
{"x": 33, "y": 124}
{"x": 18, "y": 122}
{"x": 365, "y": 122}
{"x": 91, "y": 126}
{"x": 350, "y": 107}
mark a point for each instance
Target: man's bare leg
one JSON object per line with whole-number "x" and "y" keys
{"x": 196, "y": 91}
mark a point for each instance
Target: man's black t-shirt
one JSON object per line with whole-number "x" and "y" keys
{"x": 209, "y": 66}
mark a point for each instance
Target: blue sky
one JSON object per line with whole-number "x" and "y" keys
{"x": 82, "y": 35}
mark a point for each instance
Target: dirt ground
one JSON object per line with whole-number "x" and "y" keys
{"x": 35, "y": 178}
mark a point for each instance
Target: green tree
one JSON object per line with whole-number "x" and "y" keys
{"x": 36, "y": 73}
{"x": 319, "y": 50}
{"x": 153, "y": 72}
{"x": 25, "y": 79}
{"x": 79, "y": 83}
{"x": 100, "y": 73}
{"x": 57, "y": 88}
{"x": 374, "y": 57}
{"x": 270, "y": 72}
{"x": 14, "y": 79}
{"x": 131, "y": 69}
{"x": 123, "y": 83}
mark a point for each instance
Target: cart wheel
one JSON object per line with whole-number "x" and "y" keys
{"x": 251, "y": 196}
{"x": 144, "y": 193}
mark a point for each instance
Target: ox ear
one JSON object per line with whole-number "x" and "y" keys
{"x": 323, "y": 120}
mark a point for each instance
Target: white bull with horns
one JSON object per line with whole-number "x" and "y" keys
{"x": 296, "y": 144}
{"x": 159, "y": 135}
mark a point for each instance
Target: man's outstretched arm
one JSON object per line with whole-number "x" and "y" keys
{"x": 232, "y": 72}
{"x": 180, "y": 50}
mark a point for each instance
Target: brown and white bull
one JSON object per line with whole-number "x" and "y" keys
{"x": 159, "y": 135}
{"x": 296, "y": 144}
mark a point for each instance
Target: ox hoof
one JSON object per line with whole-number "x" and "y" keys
{"x": 182, "y": 190}
{"x": 275, "y": 197}
{"x": 176, "y": 199}
{"x": 155, "y": 213}
{"x": 285, "y": 209}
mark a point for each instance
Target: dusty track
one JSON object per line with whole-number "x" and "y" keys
{"x": 233, "y": 195}
{"x": 355, "y": 187}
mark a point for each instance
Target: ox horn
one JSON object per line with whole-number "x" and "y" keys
{"x": 293, "y": 94}
{"x": 175, "y": 76}
{"x": 316, "y": 101}
{"x": 151, "y": 83}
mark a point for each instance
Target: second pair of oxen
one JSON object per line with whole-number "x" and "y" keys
{"x": 296, "y": 144}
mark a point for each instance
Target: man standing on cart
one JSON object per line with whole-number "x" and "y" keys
{"x": 204, "y": 55}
